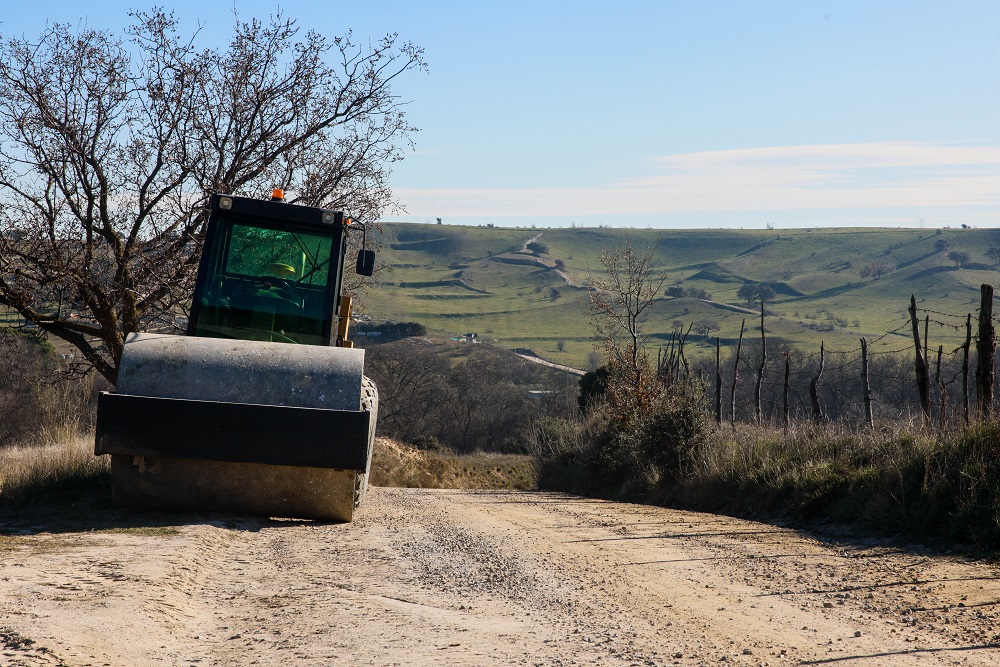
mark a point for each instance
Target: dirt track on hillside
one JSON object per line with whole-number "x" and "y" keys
{"x": 486, "y": 578}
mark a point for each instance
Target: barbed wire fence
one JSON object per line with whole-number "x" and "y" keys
{"x": 899, "y": 375}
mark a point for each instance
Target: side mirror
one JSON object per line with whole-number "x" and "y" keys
{"x": 366, "y": 262}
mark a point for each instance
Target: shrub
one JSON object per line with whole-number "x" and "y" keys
{"x": 538, "y": 248}
{"x": 674, "y": 430}
{"x": 615, "y": 452}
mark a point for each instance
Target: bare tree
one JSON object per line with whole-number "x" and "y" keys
{"x": 110, "y": 148}
{"x": 620, "y": 302}
{"x": 877, "y": 268}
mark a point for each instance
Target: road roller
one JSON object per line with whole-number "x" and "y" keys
{"x": 262, "y": 407}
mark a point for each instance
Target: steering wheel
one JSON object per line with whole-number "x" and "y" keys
{"x": 280, "y": 288}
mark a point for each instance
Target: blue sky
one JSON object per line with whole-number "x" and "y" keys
{"x": 675, "y": 114}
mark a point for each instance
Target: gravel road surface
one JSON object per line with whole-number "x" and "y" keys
{"x": 436, "y": 577}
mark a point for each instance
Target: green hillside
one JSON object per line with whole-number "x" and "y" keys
{"x": 474, "y": 279}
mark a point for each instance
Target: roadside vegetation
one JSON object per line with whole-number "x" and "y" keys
{"x": 646, "y": 432}
{"x": 460, "y": 414}
{"x": 890, "y": 481}
{"x": 396, "y": 464}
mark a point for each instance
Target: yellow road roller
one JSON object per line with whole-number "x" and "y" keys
{"x": 262, "y": 407}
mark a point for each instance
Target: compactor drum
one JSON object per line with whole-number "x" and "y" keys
{"x": 263, "y": 407}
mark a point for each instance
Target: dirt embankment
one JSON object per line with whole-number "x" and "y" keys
{"x": 429, "y": 577}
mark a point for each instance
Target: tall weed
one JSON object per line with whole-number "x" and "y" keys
{"x": 30, "y": 474}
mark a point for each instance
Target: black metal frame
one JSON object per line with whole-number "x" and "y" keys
{"x": 276, "y": 215}
{"x": 234, "y": 432}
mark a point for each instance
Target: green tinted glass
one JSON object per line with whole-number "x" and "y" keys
{"x": 268, "y": 284}
{"x": 295, "y": 256}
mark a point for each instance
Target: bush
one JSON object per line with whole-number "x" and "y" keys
{"x": 538, "y": 248}
{"x": 611, "y": 452}
{"x": 391, "y": 330}
{"x": 674, "y": 431}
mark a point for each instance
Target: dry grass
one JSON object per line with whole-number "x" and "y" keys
{"x": 67, "y": 463}
{"x": 62, "y": 469}
{"x": 895, "y": 479}
{"x": 396, "y": 464}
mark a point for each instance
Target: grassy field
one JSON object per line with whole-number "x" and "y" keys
{"x": 474, "y": 279}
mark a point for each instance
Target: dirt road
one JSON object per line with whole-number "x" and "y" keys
{"x": 486, "y": 578}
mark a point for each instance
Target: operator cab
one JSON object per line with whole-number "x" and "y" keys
{"x": 271, "y": 271}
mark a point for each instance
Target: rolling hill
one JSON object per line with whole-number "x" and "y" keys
{"x": 527, "y": 288}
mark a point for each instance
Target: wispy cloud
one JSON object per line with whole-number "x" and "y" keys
{"x": 836, "y": 177}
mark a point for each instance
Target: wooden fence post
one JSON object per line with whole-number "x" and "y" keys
{"x": 923, "y": 383}
{"x": 986, "y": 346}
{"x": 965, "y": 368}
{"x": 784, "y": 410}
{"x": 718, "y": 380}
{"x": 927, "y": 357}
{"x": 865, "y": 385}
{"x": 942, "y": 391}
{"x": 814, "y": 387}
{"x": 736, "y": 376}
{"x": 760, "y": 371}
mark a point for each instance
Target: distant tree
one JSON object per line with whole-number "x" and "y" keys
{"x": 620, "y": 302}
{"x": 748, "y": 293}
{"x": 942, "y": 244}
{"x": 676, "y": 291}
{"x": 705, "y": 326}
{"x": 756, "y": 293}
{"x": 877, "y": 268}
{"x": 561, "y": 345}
{"x": 594, "y": 360}
{"x": 765, "y": 293}
{"x": 561, "y": 265}
{"x": 554, "y": 294}
{"x": 994, "y": 254}
{"x": 961, "y": 259}
{"x": 538, "y": 248}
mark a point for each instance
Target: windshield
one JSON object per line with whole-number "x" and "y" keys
{"x": 266, "y": 283}
{"x": 296, "y": 256}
